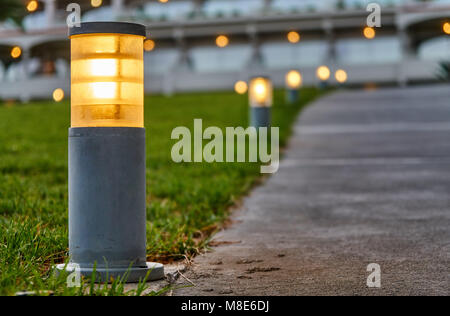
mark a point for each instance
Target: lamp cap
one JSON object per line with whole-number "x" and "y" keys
{"x": 108, "y": 28}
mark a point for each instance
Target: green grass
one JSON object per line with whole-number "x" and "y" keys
{"x": 186, "y": 202}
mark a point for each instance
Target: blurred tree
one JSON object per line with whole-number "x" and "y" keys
{"x": 12, "y": 10}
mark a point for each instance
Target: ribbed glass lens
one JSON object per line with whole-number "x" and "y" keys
{"x": 107, "y": 80}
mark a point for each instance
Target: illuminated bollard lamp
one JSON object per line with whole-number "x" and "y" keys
{"x": 261, "y": 101}
{"x": 107, "y": 182}
{"x": 323, "y": 73}
{"x": 293, "y": 84}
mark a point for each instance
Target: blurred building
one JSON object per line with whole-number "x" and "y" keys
{"x": 210, "y": 44}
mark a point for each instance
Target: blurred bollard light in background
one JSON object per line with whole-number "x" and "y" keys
{"x": 323, "y": 73}
{"x": 341, "y": 76}
{"x": 107, "y": 182}
{"x": 261, "y": 101}
{"x": 293, "y": 84}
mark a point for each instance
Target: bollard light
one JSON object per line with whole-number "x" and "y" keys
{"x": 261, "y": 101}
{"x": 293, "y": 84}
{"x": 107, "y": 182}
{"x": 341, "y": 76}
{"x": 323, "y": 74}
{"x": 293, "y": 79}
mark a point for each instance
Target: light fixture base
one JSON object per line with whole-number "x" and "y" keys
{"x": 292, "y": 96}
{"x": 260, "y": 116}
{"x": 153, "y": 272}
{"x": 323, "y": 85}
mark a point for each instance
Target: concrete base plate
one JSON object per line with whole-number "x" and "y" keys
{"x": 133, "y": 275}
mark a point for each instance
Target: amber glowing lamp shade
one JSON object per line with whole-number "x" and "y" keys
{"x": 107, "y": 72}
{"x": 261, "y": 92}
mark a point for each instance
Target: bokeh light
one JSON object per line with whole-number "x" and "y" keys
{"x": 96, "y": 3}
{"x": 446, "y": 28}
{"x": 323, "y": 73}
{"x": 16, "y": 52}
{"x": 341, "y": 76}
{"x": 293, "y": 79}
{"x": 293, "y": 37}
{"x": 222, "y": 41}
{"x": 32, "y": 6}
{"x": 149, "y": 45}
{"x": 58, "y": 95}
{"x": 369, "y": 32}
{"x": 241, "y": 87}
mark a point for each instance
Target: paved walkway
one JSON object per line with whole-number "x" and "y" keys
{"x": 366, "y": 180}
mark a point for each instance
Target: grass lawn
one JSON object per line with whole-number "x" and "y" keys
{"x": 186, "y": 202}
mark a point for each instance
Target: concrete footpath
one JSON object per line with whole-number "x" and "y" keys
{"x": 366, "y": 179}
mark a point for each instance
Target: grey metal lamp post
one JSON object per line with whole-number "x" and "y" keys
{"x": 107, "y": 182}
